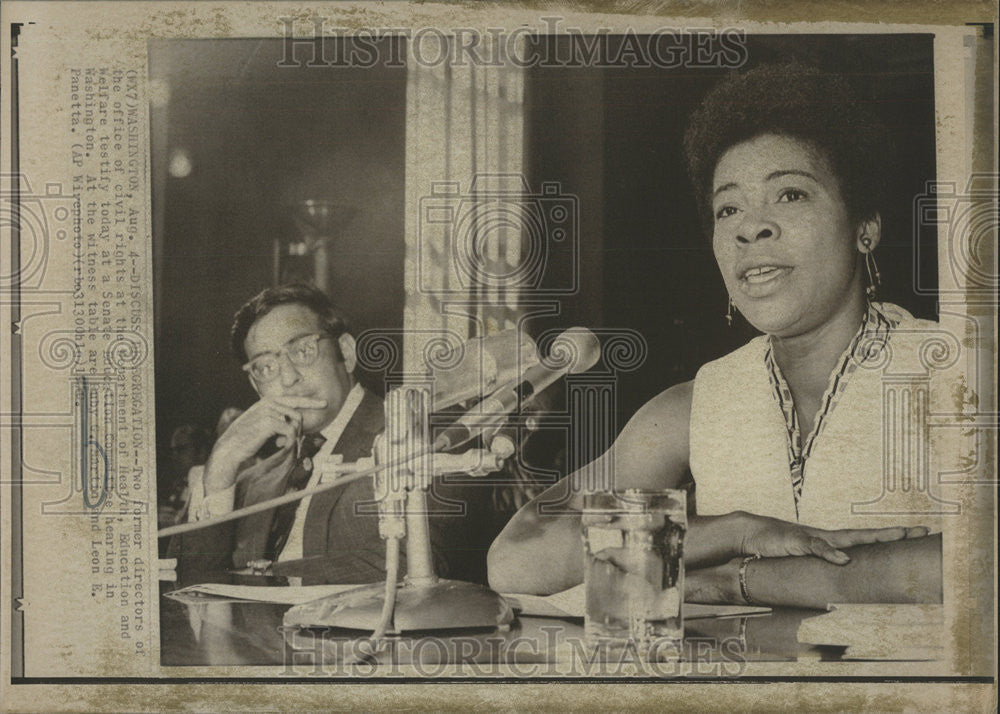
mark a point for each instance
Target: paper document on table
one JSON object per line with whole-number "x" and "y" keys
{"x": 888, "y": 631}
{"x": 571, "y": 603}
{"x": 284, "y": 595}
{"x": 901, "y": 654}
{"x": 568, "y": 603}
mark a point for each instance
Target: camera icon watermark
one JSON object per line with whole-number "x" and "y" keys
{"x": 34, "y": 220}
{"x": 967, "y": 222}
{"x": 499, "y": 235}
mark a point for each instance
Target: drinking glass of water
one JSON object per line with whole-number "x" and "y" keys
{"x": 634, "y": 572}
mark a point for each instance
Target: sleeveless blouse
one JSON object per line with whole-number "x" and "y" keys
{"x": 867, "y": 462}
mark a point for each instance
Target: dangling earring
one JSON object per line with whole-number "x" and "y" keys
{"x": 729, "y": 313}
{"x": 874, "y": 277}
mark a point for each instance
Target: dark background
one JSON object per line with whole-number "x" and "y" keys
{"x": 613, "y": 137}
{"x": 261, "y": 136}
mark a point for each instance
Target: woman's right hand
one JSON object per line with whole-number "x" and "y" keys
{"x": 773, "y": 538}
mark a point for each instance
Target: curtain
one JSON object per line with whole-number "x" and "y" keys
{"x": 464, "y": 194}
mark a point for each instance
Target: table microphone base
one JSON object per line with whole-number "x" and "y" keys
{"x": 433, "y": 605}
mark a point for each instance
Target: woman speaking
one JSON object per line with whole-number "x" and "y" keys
{"x": 784, "y": 437}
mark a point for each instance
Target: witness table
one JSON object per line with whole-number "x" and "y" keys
{"x": 218, "y": 632}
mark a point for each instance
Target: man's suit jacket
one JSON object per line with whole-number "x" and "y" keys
{"x": 339, "y": 545}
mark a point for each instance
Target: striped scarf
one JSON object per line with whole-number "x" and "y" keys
{"x": 867, "y": 343}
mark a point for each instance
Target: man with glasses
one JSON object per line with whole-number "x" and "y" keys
{"x": 300, "y": 358}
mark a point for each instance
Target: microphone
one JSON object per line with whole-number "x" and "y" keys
{"x": 501, "y": 440}
{"x": 486, "y": 363}
{"x": 575, "y": 350}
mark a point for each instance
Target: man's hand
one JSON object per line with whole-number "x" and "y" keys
{"x": 773, "y": 538}
{"x": 245, "y": 436}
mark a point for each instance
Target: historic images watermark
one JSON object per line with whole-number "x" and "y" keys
{"x": 967, "y": 221}
{"x": 663, "y": 47}
{"x": 551, "y": 652}
{"x": 497, "y": 233}
{"x": 40, "y": 218}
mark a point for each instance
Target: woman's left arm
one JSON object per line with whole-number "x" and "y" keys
{"x": 905, "y": 571}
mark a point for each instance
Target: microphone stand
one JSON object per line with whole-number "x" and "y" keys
{"x": 423, "y": 601}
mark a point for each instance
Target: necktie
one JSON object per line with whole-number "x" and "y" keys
{"x": 298, "y": 477}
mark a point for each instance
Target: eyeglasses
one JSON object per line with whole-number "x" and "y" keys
{"x": 301, "y": 352}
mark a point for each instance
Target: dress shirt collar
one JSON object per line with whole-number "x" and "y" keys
{"x": 332, "y": 431}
